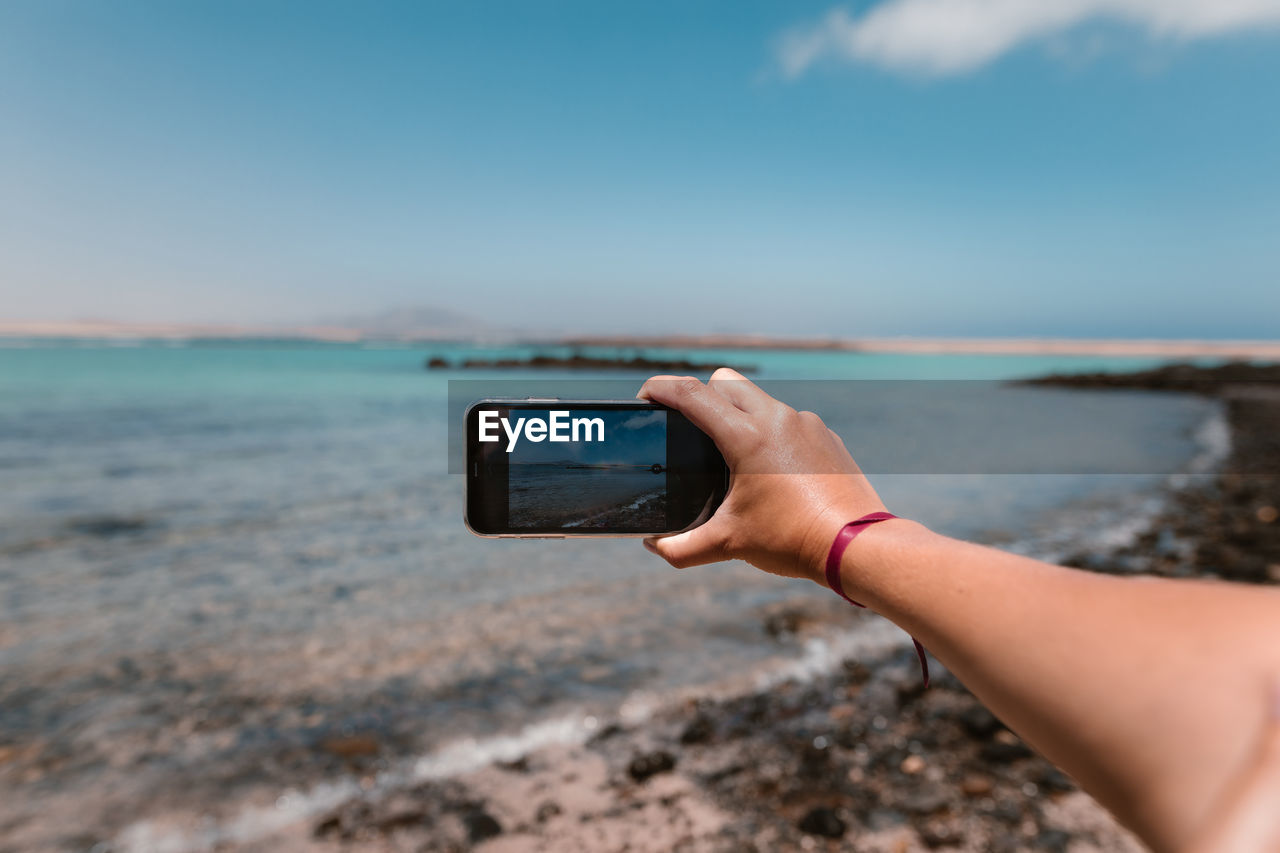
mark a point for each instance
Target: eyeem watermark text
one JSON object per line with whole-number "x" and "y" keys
{"x": 557, "y": 426}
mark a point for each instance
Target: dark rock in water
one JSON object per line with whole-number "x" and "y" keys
{"x": 1171, "y": 377}
{"x": 699, "y": 730}
{"x": 578, "y": 361}
{"x": 481, "y": 826}
{"x": 650, "y": 764}
{"x": 823, "y": 822}
{"x": 436, "y": 362}
{"x": 108, "y": 526}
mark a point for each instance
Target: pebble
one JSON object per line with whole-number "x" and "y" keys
{"x": 823, "y": 822}
{"x": 1267, "y": 514}
{"x": 481, "y": 826}
{"x": 977, "y": 786}
{"x": 912, "y": 765}
{"x": 651, "y": 764}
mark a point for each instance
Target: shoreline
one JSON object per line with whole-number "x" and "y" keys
{"x": 859, "y": 753}
{"x": 1266, "y": 350}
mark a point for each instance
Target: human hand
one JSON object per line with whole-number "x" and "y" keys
{"x": 792, "y": 485}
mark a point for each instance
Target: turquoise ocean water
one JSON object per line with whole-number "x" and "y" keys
{"x": 215, "y": 557}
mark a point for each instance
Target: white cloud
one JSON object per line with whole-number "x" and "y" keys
{"x": 942, "y": 37}
{"x": 641, "y": 421}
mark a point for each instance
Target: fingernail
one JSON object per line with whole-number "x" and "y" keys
{"x": 650, "y": 545}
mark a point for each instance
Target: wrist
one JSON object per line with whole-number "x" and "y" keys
{"x": 867, "y": 567}
{"x": 820, "y": 537}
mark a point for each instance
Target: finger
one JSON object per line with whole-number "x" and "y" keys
{"x": 744, "y": 393}
{"x": 697, "y": 547}
{"x": 709, "y": 411}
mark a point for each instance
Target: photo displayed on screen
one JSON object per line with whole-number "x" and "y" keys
{"x": 617, "y": 482}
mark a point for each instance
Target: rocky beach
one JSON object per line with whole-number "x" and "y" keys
{"x": 299, "y": 682}
{"x": 860, "y": 758}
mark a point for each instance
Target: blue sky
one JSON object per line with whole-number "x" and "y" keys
{"x": 954, "y": 167}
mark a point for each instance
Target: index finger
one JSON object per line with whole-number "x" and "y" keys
{"x": 708, "y": 410}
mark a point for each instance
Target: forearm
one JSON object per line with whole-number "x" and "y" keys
{"x": 1149, "y": 692}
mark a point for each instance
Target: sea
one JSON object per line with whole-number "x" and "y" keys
{"x": 218, "y": 557}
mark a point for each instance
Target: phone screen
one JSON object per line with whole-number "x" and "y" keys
{"x": 588, "y": 468}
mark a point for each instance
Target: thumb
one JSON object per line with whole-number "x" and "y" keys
{"x": 699, "y": 546}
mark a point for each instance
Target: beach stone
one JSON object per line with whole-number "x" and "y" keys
{"x": 975, "y": 785}
{"x": 351, "y": 746}
{"x": 481, "y": 826}
{"x": 699, "y": 730}
{"x": 1052, "y": 780}
{"x": 650, "y": 764}
{"x": 1004, "y": 748}
{"x": 911, "y": 765}
{"x": 979, "y": 722}
{"x": 924, "y": 800}
{"x": 941, "y": 833}
{"x": 823, "y": 822}
{"x": 1054, "y": 840}
{"x": 547, "y": 810}
{"x": 1267, "y": 514}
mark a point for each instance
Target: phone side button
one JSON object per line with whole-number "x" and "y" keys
{"x": 546, "y": 537}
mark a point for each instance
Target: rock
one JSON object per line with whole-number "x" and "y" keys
{"x": 979, "y": 722}
{"x": 924, "y": 799}
{"x": 941, "y": 833}
{"x": 650, "y": 764}
{"x": 436, "y": 362}
{"x": 823, "y": 822}
{"x": 976, "y": 785}
{"x": 109, "y": 526}
{"x": 1053, "y": 780}
{"x": 351, "y": 746}
{"x": 1004, "y": 749}
{"x": 1054, "y": 840}
{"x": 1267, "y": 514}
{"x": 911, "y": 765}
{"x": 699, "y": 730}
{"x": 481, "y": 826}
{"x": 547, "y": 810}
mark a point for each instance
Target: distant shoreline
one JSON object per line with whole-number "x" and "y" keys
{"x": 1114, "y": 347}
{"x": 953, "y": 346}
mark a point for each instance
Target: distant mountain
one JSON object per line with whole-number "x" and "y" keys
{"x": 417, "y": 322}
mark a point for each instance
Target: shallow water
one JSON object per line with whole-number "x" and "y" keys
{"x": 213, "y": 559}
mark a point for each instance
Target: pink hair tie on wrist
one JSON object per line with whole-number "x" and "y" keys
{"x": 843, "y": 538}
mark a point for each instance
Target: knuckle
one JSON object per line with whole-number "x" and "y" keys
{"x": 686, "y": 386}
{"x": 726, "y": 373}
{"x": 811, "y": 419}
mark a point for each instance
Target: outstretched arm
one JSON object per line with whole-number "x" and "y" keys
{"x": 1151, "y": 693}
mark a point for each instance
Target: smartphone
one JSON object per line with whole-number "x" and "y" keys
{"x": 551, "y": 468}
